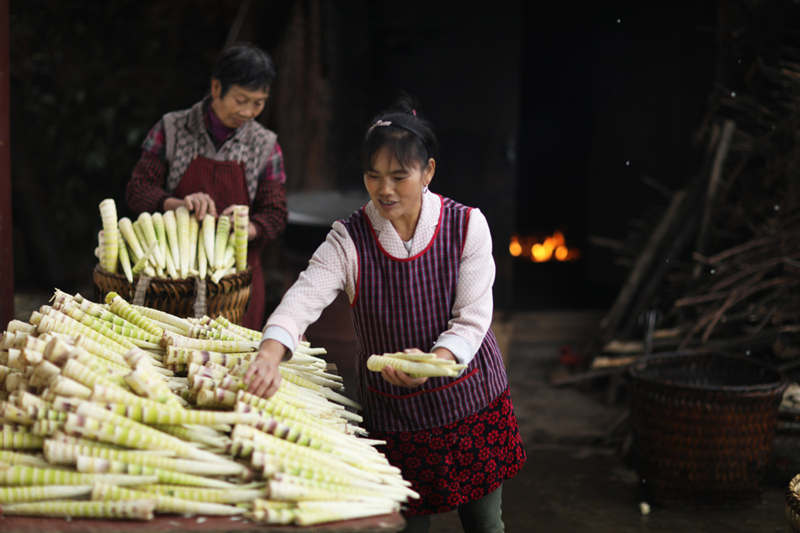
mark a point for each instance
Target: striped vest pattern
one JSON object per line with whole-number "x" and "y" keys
{"x": 406, "y": 303}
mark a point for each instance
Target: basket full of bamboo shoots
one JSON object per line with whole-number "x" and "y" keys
{"x": 172, "y": 262}
{"x": 114, "y": 410}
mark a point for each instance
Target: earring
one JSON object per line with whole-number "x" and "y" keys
{"x": 424, "y": 189}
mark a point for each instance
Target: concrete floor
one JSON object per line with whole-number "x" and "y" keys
{"x": 575, "y": 478}
{"x": 573, "y": 481}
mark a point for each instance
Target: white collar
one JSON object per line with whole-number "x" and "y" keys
{"x": 388, "y": 236}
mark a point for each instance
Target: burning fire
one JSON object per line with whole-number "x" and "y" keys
{"x": 552, "y": 248}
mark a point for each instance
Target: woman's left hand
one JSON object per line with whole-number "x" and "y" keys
{"x": 200, "y": 204}
{"x": 251, "y": 228}
{"x": 401, "y": 379}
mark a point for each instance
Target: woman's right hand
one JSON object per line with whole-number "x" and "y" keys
{"x": 198, "y": 202}
{"x": 263, "y": 377}
{"x": 201, "y": 204}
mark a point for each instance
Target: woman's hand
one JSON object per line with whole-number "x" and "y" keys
{"x": 251, "y": 228}
{"x": 263, "y": 377}
{"x": 401, "y": 379}
{"x": 444, "y": 353}
{"x": 201, "y": 204}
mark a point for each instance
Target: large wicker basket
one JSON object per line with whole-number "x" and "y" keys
{"x": 704, "y": 425}
{"x": 184, "y": 297}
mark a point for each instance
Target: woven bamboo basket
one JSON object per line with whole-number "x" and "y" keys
{"x": 183, "y": 297}
{"x": 704, "y": 425}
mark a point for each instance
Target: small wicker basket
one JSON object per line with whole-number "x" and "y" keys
{"x": 183, "y": 297}
{"x": 704, "y": 425}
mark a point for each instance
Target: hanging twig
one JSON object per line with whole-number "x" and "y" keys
{"x": 713, "y": 182}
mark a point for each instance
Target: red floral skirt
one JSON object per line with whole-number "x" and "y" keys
{"x": 460, "y": 462}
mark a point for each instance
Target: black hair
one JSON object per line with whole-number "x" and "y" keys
{"x": 402, "y": 130}
{"x": 245, "y": 65}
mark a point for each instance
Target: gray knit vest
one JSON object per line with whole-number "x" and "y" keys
{"x": 186, "y": 138}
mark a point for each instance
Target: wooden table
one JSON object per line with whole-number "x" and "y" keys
{"x": 178, "y": 524}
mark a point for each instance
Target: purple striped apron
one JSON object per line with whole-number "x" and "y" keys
{"x": 406, "y": 303}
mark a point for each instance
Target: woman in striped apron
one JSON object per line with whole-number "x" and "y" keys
{"x": 418, "y": 271}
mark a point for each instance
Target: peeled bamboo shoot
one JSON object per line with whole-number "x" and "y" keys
{"x": 140, "y": 509}
{"x": 182, "y": 220}
{"x": 209, "y": 237}
{"x": 241, "y": 222}
{"x": 221, "y": 240}
{"x": 171, "y": 229}
{"x": 376, "y": 363}
{"x": 145, "y": 222}
{"x": 110, "y": 248}
{"x": 126, "y": 229}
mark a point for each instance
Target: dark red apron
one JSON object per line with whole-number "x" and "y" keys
{"x": 225, "y": 182}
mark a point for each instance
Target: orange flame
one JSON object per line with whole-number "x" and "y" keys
{"x": 552, "y": 248}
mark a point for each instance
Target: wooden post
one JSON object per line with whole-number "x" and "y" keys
{"x": 6, "y": 249}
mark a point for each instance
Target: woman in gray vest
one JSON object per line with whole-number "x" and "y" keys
{"x": 215, "y": 155}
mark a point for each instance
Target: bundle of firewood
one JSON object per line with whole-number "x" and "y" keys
{"x": 720, "y": 268}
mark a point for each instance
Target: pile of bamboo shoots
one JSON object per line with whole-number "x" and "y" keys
{"x": 111, "y": 410}
{"x": 174, "y": 244}
{"x": 416, "y": 364}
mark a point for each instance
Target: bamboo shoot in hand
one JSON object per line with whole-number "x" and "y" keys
{"x": 416, "y": 364}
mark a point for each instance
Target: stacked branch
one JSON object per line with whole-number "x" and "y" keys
{"x": 719, "y": 270}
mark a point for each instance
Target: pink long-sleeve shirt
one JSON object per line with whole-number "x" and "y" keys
{"x": 334, "y": 268}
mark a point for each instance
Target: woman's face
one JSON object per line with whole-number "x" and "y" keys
{"x": 397, "y": 191}
{"x": 238, "y": 105}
